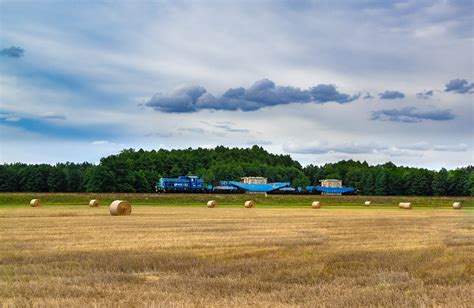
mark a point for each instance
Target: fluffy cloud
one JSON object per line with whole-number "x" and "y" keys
{"x": 263, "y": 93}
{"x": 391, "y": 94}
{"x": 327, "y": 93}
{"x": 461, "y": 86}
{"x": 425, "y": 94}
{"x": 182, "y": 99}
{"x": 411, "y": 115}
{"x": 12, "y": 52}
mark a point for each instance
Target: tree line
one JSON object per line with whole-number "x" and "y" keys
{"x": 138, "y": 171}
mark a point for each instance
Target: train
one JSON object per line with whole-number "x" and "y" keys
{"x": 194, "y": 184}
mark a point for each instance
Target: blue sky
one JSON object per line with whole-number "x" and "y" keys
{"x": 319, "y": 80}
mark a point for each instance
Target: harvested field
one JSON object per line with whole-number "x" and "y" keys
{"x": 232, "y": 200}
{"x": 81, "y": 256}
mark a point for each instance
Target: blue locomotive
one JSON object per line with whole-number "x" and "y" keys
{"x": 185, "y": 183}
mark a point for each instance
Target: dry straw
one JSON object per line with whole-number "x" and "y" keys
{"x": 94, "y": 203}
{"x": 457, "y": 205}
{"x": 316, "y": 205}
{"x": 367, "y": 203}
{"x": 211, "y": 204}
{"x": 404, "y": 205}
{"x": 120, "y": 207}
{"x": 35, "y": 202}
{"x": 249, "y": 204}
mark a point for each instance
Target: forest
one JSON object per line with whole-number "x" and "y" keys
{"x": 138, "y": 170}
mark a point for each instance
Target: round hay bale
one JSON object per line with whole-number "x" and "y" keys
{"x": 249, "y": 204}
{"x": 404, "y": 205}
{"x": 211, "y": 204}
{"x": 316, "y": 205}
{"x": 94, "y": 203}
{"x": 457, "y": 205}
{"x": 367, "y": 203}
{"x": 120, "y": 207}
{"x": 35, "y": 202}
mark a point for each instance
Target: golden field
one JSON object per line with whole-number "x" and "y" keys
{"x": 186, "y": 256}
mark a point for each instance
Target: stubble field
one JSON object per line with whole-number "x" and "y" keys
{"x": 173, "y": 256}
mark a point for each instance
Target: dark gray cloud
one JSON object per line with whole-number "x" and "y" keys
{"x": 461, "y": 86}
{"x": 425, "y": 94}
{"x": 388, "y": 94}
{"x": 327, "y": 93}
{"x": 12, "y": 52}
{"x": 263, "y": 93}
{"x": 182, "y": 99}
{"x": 411, "y": 115}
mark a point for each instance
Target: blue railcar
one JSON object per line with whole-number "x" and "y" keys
{"x": 330, "y": 190}
{"x": 185, "y": 183}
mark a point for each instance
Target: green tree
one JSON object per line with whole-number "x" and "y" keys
{"x": 471, "y": 183}
{"x": 35, "y": 178}
{"x": 141, "y": 184}
{"x": 440, "y": 183}
{"x": 57, "y": 180}
{"x": 300, "y": 181}
{"x": 369, "y": 183}
{"x": 381, "y": 183}
{"x": 8, "y": 179}
{"x": 100, "y": 179}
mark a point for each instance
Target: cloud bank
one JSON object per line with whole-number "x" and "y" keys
{"x": 263, "y": 93}
{"x": 460, "y": 86}
{"x": 391, "y": 94}
{"x": 412, "y": 115}
{"x": 355, "y": 148}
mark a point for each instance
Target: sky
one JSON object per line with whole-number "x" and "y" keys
{"x": 321, "y": 81}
